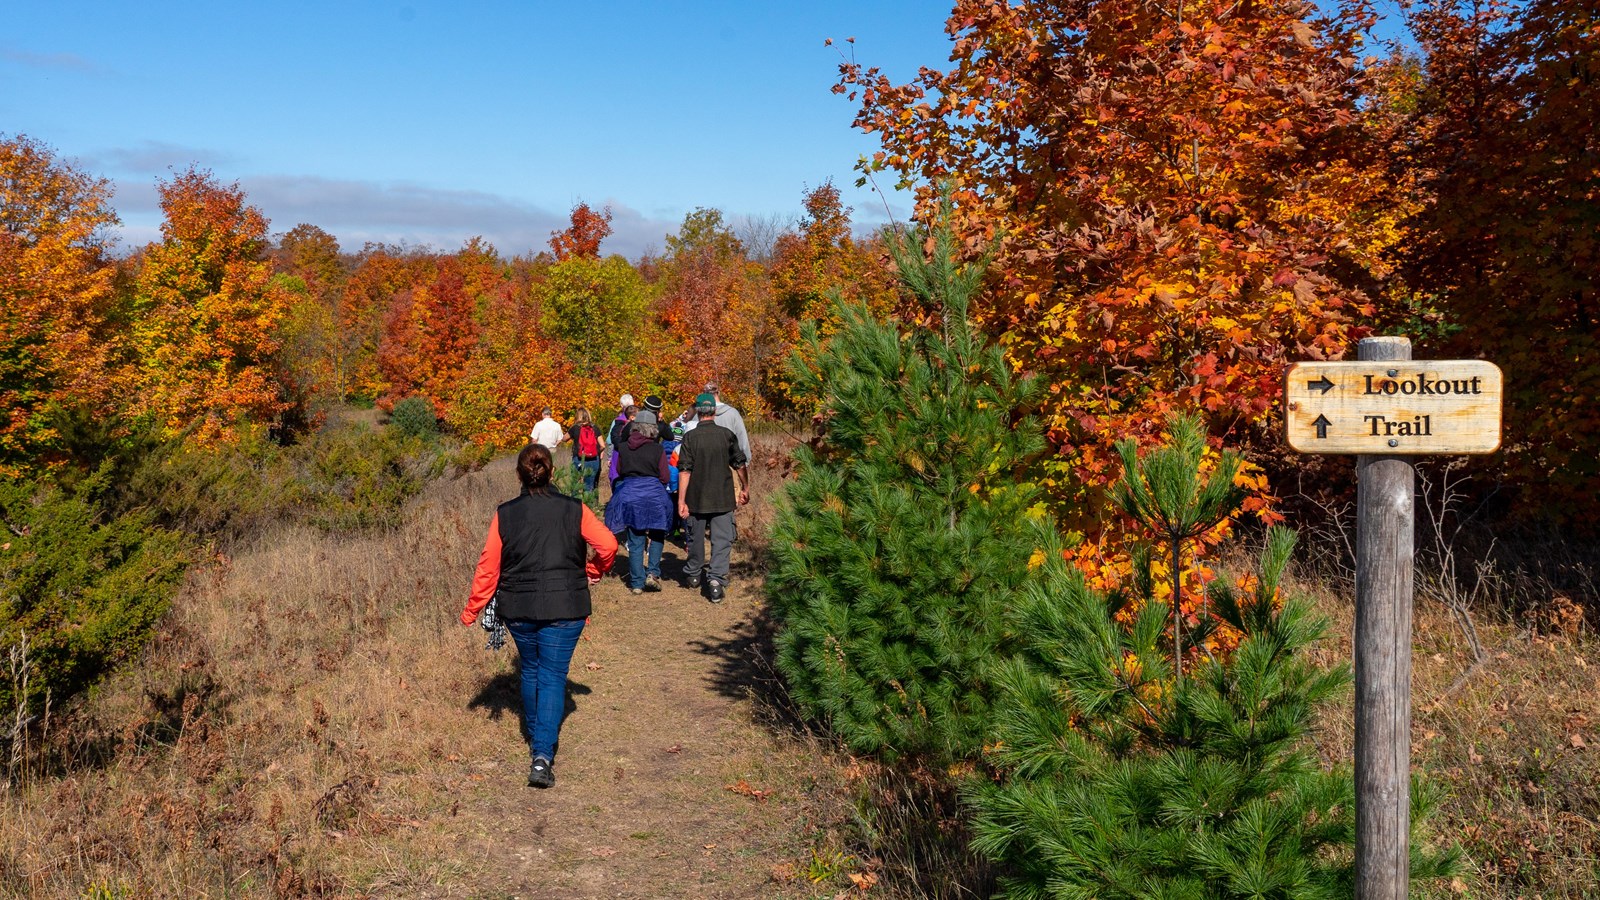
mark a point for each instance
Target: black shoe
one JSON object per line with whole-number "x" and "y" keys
{"x": 540, "y": 775}
{"x": 691, "y": 581}
{"x": 714, "y": 590}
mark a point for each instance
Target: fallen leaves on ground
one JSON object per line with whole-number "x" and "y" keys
{"x": 744, "y": 787}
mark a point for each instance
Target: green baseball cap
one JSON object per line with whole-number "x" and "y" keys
{"x": 706, "y": 403}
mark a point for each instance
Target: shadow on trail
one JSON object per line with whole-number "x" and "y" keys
{"x": 503, "y": 694}
{"x": 744, "y": 668}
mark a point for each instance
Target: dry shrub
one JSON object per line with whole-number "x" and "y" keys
{"x": 272, "y": 741}
{"x": 769, "y": 466}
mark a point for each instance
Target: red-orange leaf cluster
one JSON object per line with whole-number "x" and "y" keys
{"x": 1179, "y": 197}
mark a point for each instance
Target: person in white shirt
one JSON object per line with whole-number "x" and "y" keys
{"x": 547, "y": 432}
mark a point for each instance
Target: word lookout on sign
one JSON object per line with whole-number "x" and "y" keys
{"x": 1422, "y": 386}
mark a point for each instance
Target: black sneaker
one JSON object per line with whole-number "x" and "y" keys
{"x": 691, "y": 581}
{"x": 714, "y": 590}
{"x": 540, "y": 775}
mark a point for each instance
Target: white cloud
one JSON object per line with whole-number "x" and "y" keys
{"x": 152, "y": 158}
{"x": 407, "y": 213}
{"x": 69, "y": 61}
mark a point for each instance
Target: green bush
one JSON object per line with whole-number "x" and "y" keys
{"x": 212, "y": 490}
{"x": 340, "y": 477}
{"x": 569, "y": 480}
{"x": 903, "y": 538}
{"x": 86, "y": 589}
{"x": 355, "y": 478}
{"x": 414, "y": 417}
{"x": 1121, "y": 779}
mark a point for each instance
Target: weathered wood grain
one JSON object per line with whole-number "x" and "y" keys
{"x": 1384, "y": 554}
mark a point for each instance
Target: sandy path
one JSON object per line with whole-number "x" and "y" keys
{"x": 657, "y": 731}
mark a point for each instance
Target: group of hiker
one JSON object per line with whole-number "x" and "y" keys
{"x": 545, "y": 549}
{"x": 654, "y": 490}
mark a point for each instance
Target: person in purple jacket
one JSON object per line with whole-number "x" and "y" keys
{"x": 639, "y": 505}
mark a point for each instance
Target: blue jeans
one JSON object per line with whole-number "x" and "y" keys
{"x": 638, "y": 567}
{"x": 545, "y": 648}
{"x": 591, "y": 471}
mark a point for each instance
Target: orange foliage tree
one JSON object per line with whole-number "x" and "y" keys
{"x": 430, "y": 333}
{"x": 311, "y": 268}
{"x": 582, "y": 238}
{"x": 716, "y": 308}
{"x": 206, "y": 329}
{"x": 380, "y": 274}
{"x": 55, "y": 298}
{"x": 1180, "y": 197}
{"x": 520, "y": 364}
{"x": 815, "y": 267}
{"x": 1508, "y": 242}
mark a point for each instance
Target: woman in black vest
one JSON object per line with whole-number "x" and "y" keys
{"x": 536, "y": 566}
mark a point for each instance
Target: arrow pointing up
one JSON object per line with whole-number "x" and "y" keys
{"x": 1322, "y": 424}
{"x": 1322, "y": 384}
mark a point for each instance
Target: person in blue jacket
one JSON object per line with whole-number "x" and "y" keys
{"x": 673, "y": 439}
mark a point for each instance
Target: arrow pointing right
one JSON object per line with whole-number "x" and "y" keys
{"x": 1322, "y": 423}
{"x": 1322, "y": 384}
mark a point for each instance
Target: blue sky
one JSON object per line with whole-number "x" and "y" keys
{"x": 430, "y": 122}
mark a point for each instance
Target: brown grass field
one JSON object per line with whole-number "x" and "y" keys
{"x": 312, "y": 721}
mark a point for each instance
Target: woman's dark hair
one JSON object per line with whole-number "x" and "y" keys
{"x": 533, "y": 468}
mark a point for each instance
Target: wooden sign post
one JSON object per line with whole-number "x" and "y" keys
{"x": 1386, "y": 408}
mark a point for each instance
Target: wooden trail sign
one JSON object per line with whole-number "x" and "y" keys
{"x": 1393, "y": 407}
{"x": 1387, "y": 408}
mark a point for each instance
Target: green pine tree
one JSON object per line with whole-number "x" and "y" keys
{"x": 1121, "y": 780}
{"x": 903, "y": 539}
{"x": 1165, "y": 493}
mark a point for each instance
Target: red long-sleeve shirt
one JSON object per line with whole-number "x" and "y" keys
{"x": 487, "y": 577}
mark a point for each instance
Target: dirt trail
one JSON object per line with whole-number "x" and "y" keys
{"x": 658, "y": 730}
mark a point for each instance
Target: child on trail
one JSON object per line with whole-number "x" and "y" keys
{"x": 669, "y": 447}
{"x": 619, "y": 436}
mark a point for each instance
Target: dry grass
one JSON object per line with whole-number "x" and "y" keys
{"x": 1511, "y": 744}
{"x": 276, "y": 739}
{"x": 311, "y": 721}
